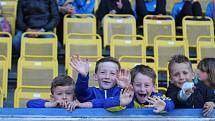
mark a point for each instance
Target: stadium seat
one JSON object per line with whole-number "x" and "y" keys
{"x": 89, "y": 45}
{"x": 158, "y": 25}
{"x": 118, "y": 24}
{"x": 164, "y": 50}
{"x": 39, "y": 46}
{"x": 9, "y": 11}
{"x": 78, "y": 23}
{"x": 3, "y": 77}
{"x": 193, "y": 27}
{"x": 34, "y": 78}
{"x": 170, "y": 4}
{"x": 6, "y": 47}
{"x": 205, "y": 49}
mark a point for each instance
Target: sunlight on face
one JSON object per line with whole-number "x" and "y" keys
{"x": 107, "y": 75}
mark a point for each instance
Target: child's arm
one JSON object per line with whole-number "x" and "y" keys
{"x": 36, "y": 103}
{"x": 186, "y": 91}
{"x": 81, "y": 89}
{"x": 124, "y": 79}
{"x": 126, "y": 98}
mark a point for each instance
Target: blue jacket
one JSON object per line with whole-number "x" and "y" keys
{"x": 209, "y": 10}
{"x": 81, "y": 6}
{"x": 99, "y": 98}
{"x": 36, "y": 103}
{"x": 177, "y": 9}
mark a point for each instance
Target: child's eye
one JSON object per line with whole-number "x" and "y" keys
{"x": 58, "y": 93}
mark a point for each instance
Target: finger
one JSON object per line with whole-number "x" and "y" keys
{"x": 152, "y": 99}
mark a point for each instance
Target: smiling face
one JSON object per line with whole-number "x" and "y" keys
{"x": 107, "y": 75}
{"x": 63, "y": 93}
{"x": 181, "y": 73}
{"x": 143, "y": 87}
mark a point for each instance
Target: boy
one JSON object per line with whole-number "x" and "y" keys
{"x": 143, "y": 81}
{"x": 62, "y": 96}
{"x": 106, "y": 74}
{"x": 182, "y": 90}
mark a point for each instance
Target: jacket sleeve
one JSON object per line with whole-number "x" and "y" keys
{"x": 82, "y": 91}
{"x": 209, "y": 10}
{"x": 54, "y": 16}
{"x": 20, "y": 17}
{"x": 36, "y": 103}
{"x": 172, "y": 92}
{"x": 83, "y": 7}
{"x": 110, "y": 104}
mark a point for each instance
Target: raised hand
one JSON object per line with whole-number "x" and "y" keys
{"x": 126, "y": 95}
{"x": 156, "y": 103}
{"x": 208, "y": 108}
{"x": 81, "y": 66}
{"x": 124, "y": 79}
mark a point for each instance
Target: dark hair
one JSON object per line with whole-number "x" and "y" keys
{"x": 178, "y": 59}
{"x": 145, "y": 70}
{"x": 62, "y": 80}
{"x": 107, "y": 59}
{"x": 208, "y": 65}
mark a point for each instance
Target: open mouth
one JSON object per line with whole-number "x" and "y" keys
{"x": 142, "y": 95}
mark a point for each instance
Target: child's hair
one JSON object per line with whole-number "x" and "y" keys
{"x": 208, "y": 65}
{"x": 62, "y": 80}
{"x": 145, "y": 70}
{"x": 178, "y": 59}
{"x": 107, "y": 59}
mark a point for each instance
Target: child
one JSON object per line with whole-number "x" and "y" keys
{"x": 182, "y": 89}
{"x": 210, "y": 11}
{"x": 206, "y": 69}
{"x": 106, "y": 74}
{"x": 62, "y": 96}
{"x": 143, "y": 81}
{"x": 4, "y": 24}
{"x": 149, "y": 7}
{"x": 186, "y": 8}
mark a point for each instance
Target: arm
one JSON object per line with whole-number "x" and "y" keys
{"x": 54, "y": 16}
{"x": 84, "y": 8}
{"x": 125, "y": 100}
{"x": 36, "y": 103}
{"x": 20, "y": 17}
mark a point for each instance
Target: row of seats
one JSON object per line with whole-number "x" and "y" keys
{"x": 10, "y": 8}
{"x": 38, "y": 64}
{"x": 126, "y": 24}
